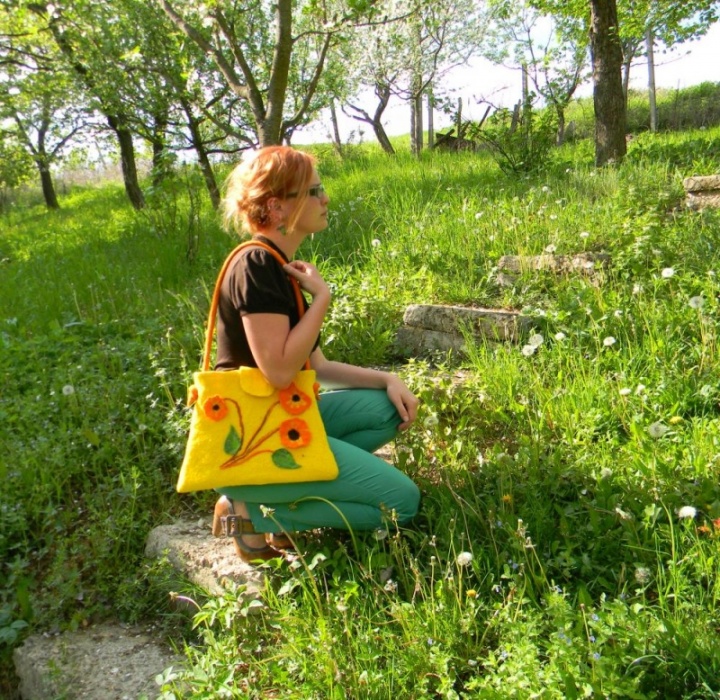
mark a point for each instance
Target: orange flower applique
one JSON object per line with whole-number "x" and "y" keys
{"x": 215, "y": 408}
{"x": 316, "y": 390}
{"x": 295, "y": 433}
{"x": 192, "y": 395}
{"x": 294, "y": 401}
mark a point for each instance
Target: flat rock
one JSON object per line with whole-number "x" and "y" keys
{"x": 586, "y": 263}
{"x": 432, "y": 328}
{"x": 703, "y": 200}
{"x": 103, "y": 662}
{"x": 702, "y": 183}
{"x": 209, "y": 562}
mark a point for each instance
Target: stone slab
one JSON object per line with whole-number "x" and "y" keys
{"x": 418, "y": 342}
{"x": 491, "y": 324}
{"x": 703, "y": 200}
{"x": 209, "y": 562}
{"x": 586, "y": 263}
{"x": 702, "y": 183}
{"x": 103, "y": 662}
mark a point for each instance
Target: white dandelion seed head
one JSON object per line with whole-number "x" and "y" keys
{"x": 376, "y": 243}
{"x": 528, "y": 350}
{"x": 687, "y": 513}
{"x": 431, "y": 421}
{"x": 545, "y": 188}
{"x": 657, "y": 430}
{"x": 640, "y": 389}
{"x": 609, "y": 341}
{"x": 637, "y": 289}
{"x": 536, "y": 340}
{"x": 667, "y": 273}
{"x": 696, "y": 302}
{"x": 479, "y": 214}
{"x": 381, "y": 534}
{"x": 642, "y": 574}
{"x": 625, "y": 391}
{"x": 605, "y": 473}
{"x": 560, "y": 336}
{"x": 68, "y": 390}
{"x": 584, "y": 234}
{"x": 464, "y": 558}
{"x": 550, "y": 248}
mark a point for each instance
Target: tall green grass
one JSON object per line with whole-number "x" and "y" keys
{"x": 567, "y": 544}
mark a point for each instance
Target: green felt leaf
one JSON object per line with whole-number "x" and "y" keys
{"x": 233, "y": 442}
{"x": 283, "y": 459}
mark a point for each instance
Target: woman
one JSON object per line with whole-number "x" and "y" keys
{"x": 277, "y": 196}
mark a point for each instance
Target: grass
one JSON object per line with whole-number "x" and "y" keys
{"x": 550, "y": 558}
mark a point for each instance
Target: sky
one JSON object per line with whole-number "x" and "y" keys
{"x": 689, "y": 64}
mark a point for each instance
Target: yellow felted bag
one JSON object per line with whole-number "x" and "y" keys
{"x": 245, "y": 431}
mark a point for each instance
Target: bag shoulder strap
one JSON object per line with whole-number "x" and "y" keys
{"x": 210, "y": 332}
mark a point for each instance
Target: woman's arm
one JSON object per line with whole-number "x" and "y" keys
{"x": 280, "y": 352}
{"x": 339, "y": 374}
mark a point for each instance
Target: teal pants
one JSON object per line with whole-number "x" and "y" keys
{"x": 367, "y": 489}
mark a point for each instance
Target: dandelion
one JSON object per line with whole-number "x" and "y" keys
{"x": 479, "y": 215}
{"x": 536, "y": 340}
{"x": 625, "y": 391}
{"x": 560, "y": 336}
{"x": 471, "y": 593}
{"x": 68, "y": 390}
{"x": 642, "y": 574}
{"x": 376, "y": 243}
{"x": 464, "y": 558}
{"x": 431, "y": 421}
{"x": 640, "y": 389}
{"x": 657, "y": 430}
{"x": 551, "y": 248}
{"x": 605, "y": 473}
{"x": 528, "y": 350}
{"x": 667, "y": 273}
{"x": 545, "y": 189}
{"x": 584, "y": 234}
{"x": 609, "y": 341}
{"x": 380, "y": 534}
{"x": 696, "y": 302}
{"x": 675, "y": 420}
{"x": 391, "y": 586}
{"x": 637, "y": 289}
{"x": 687, "y": 513}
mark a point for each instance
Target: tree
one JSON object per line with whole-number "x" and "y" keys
{"x": 274, "y": 77}
{"x": 642, "y": 22}
{"x": 39, "y": 110}
{"x": 608, "y": 97}
{"x": 553, "y": 51}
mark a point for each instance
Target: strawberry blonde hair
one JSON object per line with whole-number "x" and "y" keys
{"x": 273, "y": 171}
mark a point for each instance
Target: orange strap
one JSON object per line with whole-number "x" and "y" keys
{"x": 216, "y": 296}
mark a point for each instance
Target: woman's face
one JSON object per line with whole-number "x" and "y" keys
{"x": 313, "y": 216}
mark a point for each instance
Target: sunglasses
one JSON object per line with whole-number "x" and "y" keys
{"x": 316, "y": 191}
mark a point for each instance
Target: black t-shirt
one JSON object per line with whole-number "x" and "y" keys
{"x": 254, "y": 283}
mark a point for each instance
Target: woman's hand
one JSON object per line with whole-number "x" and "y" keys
{"x": 309, "y": 278}
{"x": 404, "y": 401}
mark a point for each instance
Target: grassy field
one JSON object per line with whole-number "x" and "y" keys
{"x": 568, "y": 540}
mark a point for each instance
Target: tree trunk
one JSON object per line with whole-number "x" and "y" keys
{"x": 337, "y": 143}
{"x": 383, "y": 139}
{"x": 383, "y": 93}
{"x": 431, "y": 120}
{"x": 48, "y": 188}
{"x": 608, "y": 98}
{"x": 127, "y": 160}
{"x": 650, "y": 40}
{"x": 160, "y": 160}
{"x": 203, "y": 160}
{"x": 561, "y": 124}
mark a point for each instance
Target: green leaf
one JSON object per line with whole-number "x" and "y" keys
{"x": 283, "y": 459}
{"x": 233, "y": 442}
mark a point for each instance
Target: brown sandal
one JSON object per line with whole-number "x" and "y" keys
{"x": 280, "y": 540}
{"x": 226, "y": 523}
